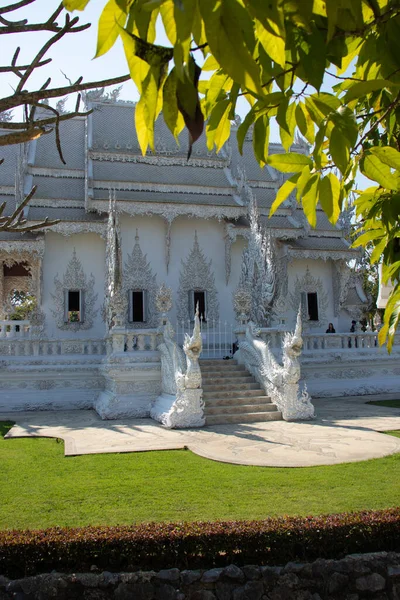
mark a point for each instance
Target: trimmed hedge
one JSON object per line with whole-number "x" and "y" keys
{"x": 198, "y": 545}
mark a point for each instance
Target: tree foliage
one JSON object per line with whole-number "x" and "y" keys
{"x": 33, "y": 99}
{"x": 276, "y": 55}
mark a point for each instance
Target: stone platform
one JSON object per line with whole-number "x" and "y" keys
{"x": 345, "y": 431}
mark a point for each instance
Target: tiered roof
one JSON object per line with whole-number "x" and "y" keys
{"x": 102, "y": 153}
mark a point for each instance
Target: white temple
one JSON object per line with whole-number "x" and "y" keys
{"x": 129, "y": 224}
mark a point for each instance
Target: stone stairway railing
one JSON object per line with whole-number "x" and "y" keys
{"x": 354, "y": 342}
{"x": 14, "y": 329}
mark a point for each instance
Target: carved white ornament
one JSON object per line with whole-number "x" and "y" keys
{"x": 159, "y": 161}
{"x": 19, "y": 251}
{"x": 68, "y": 229}
{"x": 171, "y": 211}
{"x": 74, "y": 279}
{"x": 258, "y": 273}
{"x": 242, "y": 304}
{"x": 281, "y": 382}
{"x": 138, "y": 275}
{"x": 164, "y": 299}
{"x": 310, "y": 284}
{"x": 196, "y": 274}
{"x": 180, "y": 404}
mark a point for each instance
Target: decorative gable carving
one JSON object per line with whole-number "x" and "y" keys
{"x": 138, "y": 275}
{"x": 310, "y": 284}
{"x": 74, "y": 279}
{"x": 196, "y": 274}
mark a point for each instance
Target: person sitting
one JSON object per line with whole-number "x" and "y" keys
{"x": 353, "y": 329}
{"x": 331, "y": 328}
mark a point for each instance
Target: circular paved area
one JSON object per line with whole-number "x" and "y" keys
{"x": 345, "y": 431}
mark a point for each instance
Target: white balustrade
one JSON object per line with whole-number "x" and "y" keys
{"x": 20, "y": 346}
{"x": 141, "y": 340}
{"x": 14, "y": 329}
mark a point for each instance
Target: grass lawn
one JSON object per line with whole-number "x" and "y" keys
{"x": 41, "y": 488}
{"x": 389, "y": 403}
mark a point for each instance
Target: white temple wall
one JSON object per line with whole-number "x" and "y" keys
{"x": 210, "y": 233}
{"x": 320, "y": 282}
{"x": 90, "y": 251}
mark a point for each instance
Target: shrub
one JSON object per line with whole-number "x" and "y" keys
{"x": 198, "y": 545}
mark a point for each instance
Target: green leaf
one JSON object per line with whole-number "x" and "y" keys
{"x": 189, "y": 102}
{"x": 172, "y": 117}
{"x": 372, "y": 167}
{"x": 389, "y": 156}
{"x": 283, "y": 192}
{"x": 329, "y": 197}
{"x": 339, "y": 149}
{"x": 378, "y": 251}
{"x": 218, "y": 125}
{"x": 111, "y": 20}
{"x": 367, "y": 237}
{"x": 309, "y": 199}
{"x": 72, "y": 5}
{"x": 184, "y": 13}
{"x": 168, "y": 19}
{"x": 312, "y": 54}
{"x": 274, "y": 45}
{"x": 292, "y": 162}
{"x": 225, "y": 24}
{"x": 302, "y": 182}
{"x": 391, "y": 318}
{"x": 288, "y": 127}
{"x": 149, "y": 105}
{"x": 261, "y": 139}
{"x": 364, "y": 88}
{"x": 219, "y": 82}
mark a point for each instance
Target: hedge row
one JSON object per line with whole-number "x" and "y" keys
{"x": 198, "y": 545}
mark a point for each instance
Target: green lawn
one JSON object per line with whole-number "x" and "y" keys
{"x": 389, "y": 403}
{"x": 41, "y": 488}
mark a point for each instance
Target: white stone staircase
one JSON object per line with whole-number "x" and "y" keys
{"x": 232, "y": 395}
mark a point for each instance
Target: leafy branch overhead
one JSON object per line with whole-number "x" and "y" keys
{"x": 39, "y": 118}
{"x": 278, "y": 56}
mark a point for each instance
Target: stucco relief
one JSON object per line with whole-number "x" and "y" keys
{"x": 196, "y": 274}
{"x": 138, "y": 275}
{"x": 309, "y": 284}
{"x": 74, "y": 279}
{"x": 170, "y": 212}
{"x": 258, "y": 272}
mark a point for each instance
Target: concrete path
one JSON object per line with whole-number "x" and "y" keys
{"x": 344, "y": 431}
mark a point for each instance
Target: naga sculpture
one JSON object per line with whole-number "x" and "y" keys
{"x": 181, "y": 403}
{"x": 281, "y": 382}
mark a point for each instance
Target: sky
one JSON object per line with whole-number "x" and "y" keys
{"x": 73, "y": 56}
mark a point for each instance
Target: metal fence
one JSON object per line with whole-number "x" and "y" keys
{"x": 218, "y": 337}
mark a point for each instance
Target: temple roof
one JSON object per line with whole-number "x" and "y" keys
{"x": 102, "y": 154}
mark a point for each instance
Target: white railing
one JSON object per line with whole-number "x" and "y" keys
{"x": 32, "y": 347}
{"x": 14, "y": 329}
{"x": 217, "y": 336}
{"x": 351, "y": 342}
{"x": 141, "y": 340}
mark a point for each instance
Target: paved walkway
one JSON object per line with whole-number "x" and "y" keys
{"x": 344, "y": 431}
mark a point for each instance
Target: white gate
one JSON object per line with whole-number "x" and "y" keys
{"x": 217, "y": 336}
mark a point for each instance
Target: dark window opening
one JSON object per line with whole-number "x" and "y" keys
{"x": 74, "y": 306}
{"x": 137, "y": 307}
{"x": 312, "y": 302}
{"x": 17, "y": 270}
{"x": 200, "y": 298}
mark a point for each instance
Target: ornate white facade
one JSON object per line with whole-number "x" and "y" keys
{"x": 129, "y": 223}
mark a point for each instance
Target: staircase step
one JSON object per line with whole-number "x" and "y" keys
{"x": 243, "y": 418}
{"x": 255, "y": 401}
{"x": 231, "y": 387}
{"x": 242, "y": 409}
{"x": 232, "y": 394}
{"x": 241, "y": 377}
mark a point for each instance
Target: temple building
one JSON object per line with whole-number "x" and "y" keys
{"x": 133, "y": 222}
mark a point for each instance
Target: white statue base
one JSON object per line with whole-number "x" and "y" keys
{"x": 179, "y": 411}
